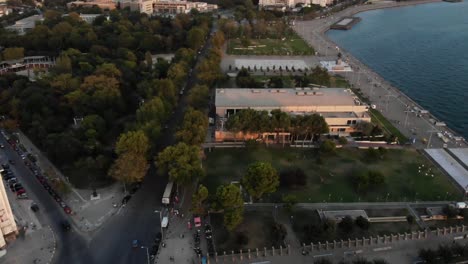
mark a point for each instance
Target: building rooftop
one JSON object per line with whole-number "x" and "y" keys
{"x": 253, "y": 97}
{"x": 27, "y": 21}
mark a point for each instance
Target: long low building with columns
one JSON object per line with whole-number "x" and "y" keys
{"x": 340, "y": 107}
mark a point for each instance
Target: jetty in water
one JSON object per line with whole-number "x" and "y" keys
{"x": 345, "y": 23}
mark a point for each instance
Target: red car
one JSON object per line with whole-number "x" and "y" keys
{"x": 67, "y": 210}
{"x": 20, "y": 191}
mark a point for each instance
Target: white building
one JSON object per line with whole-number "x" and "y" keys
{"x": 26, "y": 24}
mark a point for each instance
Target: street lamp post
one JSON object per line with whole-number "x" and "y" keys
{"x": 147, "y": 253}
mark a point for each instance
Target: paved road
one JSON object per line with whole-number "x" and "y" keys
{"x": 51, "y": 214}
{"x": 393, "y": 104}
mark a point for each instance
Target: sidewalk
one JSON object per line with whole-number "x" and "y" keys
{"x": 87, "y": 214}
{"x": 178, "y": 237}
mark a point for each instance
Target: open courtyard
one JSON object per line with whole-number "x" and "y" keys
{"x": 409, "y": 176}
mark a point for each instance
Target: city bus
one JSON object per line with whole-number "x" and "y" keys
{"x": 166, "y": 199}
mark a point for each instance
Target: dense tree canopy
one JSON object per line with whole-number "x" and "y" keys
{"x": 105, "y": 82}
{"x": 194, "y": 127}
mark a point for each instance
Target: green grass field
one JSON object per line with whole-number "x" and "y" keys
{"x": 330, "y": 181}
{"x": 292, "y": 46}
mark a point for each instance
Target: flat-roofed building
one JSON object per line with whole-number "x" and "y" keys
{"x": 340, "y": 107}
{"x": 26, "y": 24}
{"x": 8, "y": 228}
{"x": 181, "y": 7}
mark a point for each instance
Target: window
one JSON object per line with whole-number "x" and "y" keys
{"x": 349, "y": 122}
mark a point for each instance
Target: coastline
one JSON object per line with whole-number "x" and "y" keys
{"x": 330, "y": 49}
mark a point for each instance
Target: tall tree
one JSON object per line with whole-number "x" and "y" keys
{"x": 198, "y": 97}
{"x": 229, "y": 198}
{"x": 261, "y": 178}
{"x": 131, "y": 164}
{"x": 197, "y": 200}
{"x": 181, "y": 162}
{"x": 194, "y": 127}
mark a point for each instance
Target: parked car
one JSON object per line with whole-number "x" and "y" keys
{"x": 22, "y": 196}
{"x": 67, "y": 210}
{"x": 34, "y": 207}
{"x": 2, "y": 146}
{"x": 20, "y": 191}
{"x": 16, "y": 186}
{"x": 12, "y": 162}
{"x": 135, "y": 243}
{"x": 5, "y": 166}
{"x": 65, "y": 225}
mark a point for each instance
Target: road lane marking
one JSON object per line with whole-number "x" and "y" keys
{"x": 382, "y": 249}
{"x": 323, "y": 255}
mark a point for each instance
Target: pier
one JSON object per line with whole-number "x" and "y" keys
{"x": 345, "y": 23}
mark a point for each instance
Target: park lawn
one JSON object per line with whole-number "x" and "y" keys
{"x": 290, "y": 46}
{"x": 330, "y": 181}
{"x": 338, "y": 82}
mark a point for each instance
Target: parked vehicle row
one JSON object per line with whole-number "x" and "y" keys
{"x": 12, "y": 182}
{"x": 209, "y": 240}
{"x": 28, "y": 161}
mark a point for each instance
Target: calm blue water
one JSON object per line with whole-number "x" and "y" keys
{"x": 421, "y": 49}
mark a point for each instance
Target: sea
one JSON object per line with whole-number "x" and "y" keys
{"x": 422, "y": 50}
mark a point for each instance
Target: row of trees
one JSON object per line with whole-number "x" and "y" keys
{"x": 252, "y": 121}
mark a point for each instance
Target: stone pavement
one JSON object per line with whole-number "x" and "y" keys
{"x": 36, "y": 246}
{"x": 35, "y": 243}
{"x": 88, "y": 214}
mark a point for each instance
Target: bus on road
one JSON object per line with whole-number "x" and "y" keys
{"x": 166, "y": 199}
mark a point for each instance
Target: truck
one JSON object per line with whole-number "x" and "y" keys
{"x": 460, "y": 205}
{"x": 438, "y": 123}
{"x": 165, "y": 222}
{"x": 166, "y": 199}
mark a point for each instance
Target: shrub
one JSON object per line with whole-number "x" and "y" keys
{"x": 362, "y": 223}
{"x": 342, "y": 140}
{"x": 346, "y": 225}
{"x": 242, "y": 239}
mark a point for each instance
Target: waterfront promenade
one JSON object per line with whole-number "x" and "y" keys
{"x": 393, "y": 104}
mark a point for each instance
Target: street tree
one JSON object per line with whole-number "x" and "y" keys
{"x": 131, "y": 164}
{"x": 181, "y": 162}
{"x": 261, "y": 178}
{"x": 198, "y": 97}
{"x": 229, "y": 199}
{"x": 194, "y": 127}
{"x": 197, "y": 200}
